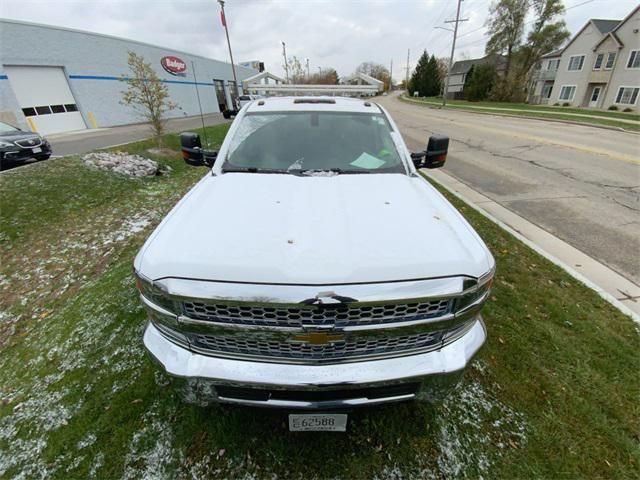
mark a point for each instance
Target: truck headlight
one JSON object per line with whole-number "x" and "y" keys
{"x": 154, "y": 294}
{"x": 4, "y": 144}
{"x": 481, "y": 289}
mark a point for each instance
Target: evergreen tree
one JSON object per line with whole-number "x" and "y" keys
{"x": 467, "y": 80}
{"x": 479, "y": 82}
{"x": 426, "y": 79}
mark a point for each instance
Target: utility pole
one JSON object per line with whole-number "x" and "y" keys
{"x": 233, "y": 66}
{"x": 453, "y": 49}
{"x": 286, "y": 65}
{"x": 406, "y": 81}
{"x": 391, "y": 75}
{"x": 308, "y": 74}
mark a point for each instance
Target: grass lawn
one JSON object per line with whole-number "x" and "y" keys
{"x": 554, "y": 394}
{"x": 605, "y": 117}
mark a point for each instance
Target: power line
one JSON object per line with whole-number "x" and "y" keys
{"x": 484, "y": 36}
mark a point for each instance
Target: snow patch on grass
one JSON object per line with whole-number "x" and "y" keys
{"x": 151, "y": 452}
{"x": 469, "y": 423}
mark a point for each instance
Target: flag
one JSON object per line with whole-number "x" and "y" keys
{"x": 222, "y": 19}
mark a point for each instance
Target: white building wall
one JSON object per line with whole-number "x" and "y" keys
{"x": 629, "y": 35}
{"x": 95, "y": 63}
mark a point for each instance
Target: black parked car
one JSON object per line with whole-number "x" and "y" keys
{"x": 17, "y": 146}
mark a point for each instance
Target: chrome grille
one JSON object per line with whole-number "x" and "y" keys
{"x": 29, "y": 142}
{"x": 314, "y": 316}
{"x": 266, "y": 348}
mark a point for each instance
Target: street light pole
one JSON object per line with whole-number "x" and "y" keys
{"x": 286, "y": 64}
{"x": 233, "y": 66}
{"x": 308, "y": 74}
{"x": 453, "y": 49}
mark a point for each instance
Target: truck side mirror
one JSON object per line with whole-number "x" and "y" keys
{"x": 437, "y": 149}
{"x": 192, "y": 151}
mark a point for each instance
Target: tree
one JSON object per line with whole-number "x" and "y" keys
{"x": 479, "y": 82}
{"x": 147, "y": 95}
{"x": 377, "y": 71}
{"x": 426, "y": 78}
{"x": 547, "y": 34}
{"x": 297, "y": 73}
{"x": 326, "y": 76}
{"x": 506, "y": 29}
{"x": 467, "y": 79}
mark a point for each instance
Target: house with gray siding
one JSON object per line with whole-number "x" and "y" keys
{"x": 617, "y": 60}
{"x": 573, "y": 84}
{"x": 461, "y": 68}
{"x": 543, "y": 78}
{"x": 600, "y": 66}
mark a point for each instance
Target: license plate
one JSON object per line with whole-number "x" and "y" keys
{"x": 37, "y": 150}
{"x": 318, "y": 422}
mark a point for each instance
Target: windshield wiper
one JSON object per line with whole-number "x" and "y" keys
{"x": 324, "y": 171}
{"x": 251, "y": 170}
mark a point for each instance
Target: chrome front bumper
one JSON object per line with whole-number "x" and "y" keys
{"x": 434, "y": 373}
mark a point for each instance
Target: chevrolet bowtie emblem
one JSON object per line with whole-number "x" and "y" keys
{"x": 318, "y": 338}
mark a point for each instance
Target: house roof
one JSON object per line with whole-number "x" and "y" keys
{"x": 612, "y": 33}
{"x": 605, "y": 26}
{"x": 554, "y": 53}
{"x": 463, "y": 66}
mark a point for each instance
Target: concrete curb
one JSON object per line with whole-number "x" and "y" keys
{"x": 563, "y": 249}
{"x": 543, "y": 119}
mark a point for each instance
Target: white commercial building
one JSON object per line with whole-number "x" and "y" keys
{"x": 55, "y": 79}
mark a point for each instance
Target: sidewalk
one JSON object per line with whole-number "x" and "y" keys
{"x": 525, "y": 111}
{"x": 610, "y": 285}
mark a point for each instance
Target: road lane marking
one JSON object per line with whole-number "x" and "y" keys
{"x": 617, "y": 156}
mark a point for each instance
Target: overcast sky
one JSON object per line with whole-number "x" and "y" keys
{"x": 333, "y": 33}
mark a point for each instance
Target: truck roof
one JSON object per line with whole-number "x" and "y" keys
{"x": 313, "y": 103}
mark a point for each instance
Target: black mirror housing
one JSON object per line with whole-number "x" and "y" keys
{"x": 192, "y": 151}
{"x": 437, "y": 149}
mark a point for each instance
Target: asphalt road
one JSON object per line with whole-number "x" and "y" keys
{"x": 580, "y": 183}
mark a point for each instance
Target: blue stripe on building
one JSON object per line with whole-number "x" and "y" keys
{"x": 4, "y": 77}
{"x": 102, "y": 77}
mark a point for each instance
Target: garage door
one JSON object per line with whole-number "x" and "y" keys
{"x": 45, "y": 98}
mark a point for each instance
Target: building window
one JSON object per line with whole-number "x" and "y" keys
{"x": 43, "y": 110}
{"x": 57, "y": 108}
{"x": 597, "y": 65}
{"x": 29, "y": 112}
{"x": 71, "y": 107}
{"x": 627, "y": 95}
{"x": 553, "y": 65}
{"x": 546, "y": 90}
{"x": 611, "y": 58}
{"x": 634, "y": 59}
{"x": 567, "y": 92}
{"x": 576, "y": 62}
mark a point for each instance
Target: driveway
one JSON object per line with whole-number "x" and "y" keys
{"x": 580, "y": 183}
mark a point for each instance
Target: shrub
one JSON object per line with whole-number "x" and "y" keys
{"x": 628, "y": 109}
{"x": 556, "y": 104}
{"x": 479, "y": 82}
{"x": 612, "y": 107}
{"x": 566, "y": 104}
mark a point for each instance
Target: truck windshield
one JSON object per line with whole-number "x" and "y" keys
{"x": 307, "y": 142}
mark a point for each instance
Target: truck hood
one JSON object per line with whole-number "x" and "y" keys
{"x": 313, "y": 230}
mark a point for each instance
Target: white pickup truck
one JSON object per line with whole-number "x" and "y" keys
{"x": 312, "y": 268}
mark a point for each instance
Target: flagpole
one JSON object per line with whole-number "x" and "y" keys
{"x": 233, "y": 67}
